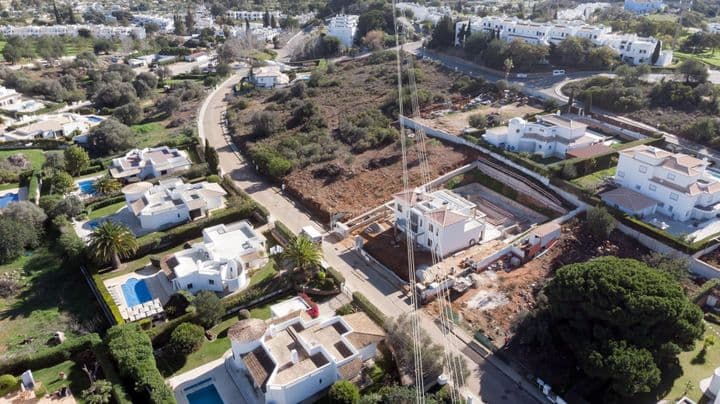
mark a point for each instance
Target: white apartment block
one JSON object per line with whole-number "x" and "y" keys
{"x": 294, "y": 358}
{"x": 172, "y": 202}
{"x": 440, "y": 221}
{"x": 343, "y": 27}
{"x": 97, "y": 31}
{"x": 139, "y": 164}
{"x": 221, "y": 261}
{"x": 674, "y": 184}
{"x": 631, "y": 48}
{"x": 551, "y": 135}
{"x": 252, "y": 15}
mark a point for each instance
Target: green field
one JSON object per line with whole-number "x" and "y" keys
{"x": 36, "y": 156}
{"x": 149, "y": 134}
{"x": 590, "y": 182}
{"x": 50, "y": 380}
{"x": 52, "y": 297}
{"x": 710, "y": 58}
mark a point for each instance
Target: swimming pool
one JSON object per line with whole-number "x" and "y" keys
{"x": 205, "y": 395}
{"x": 87, "y": 187}
{"x": 7, "y": 198}
{"x": 94, "y": 119}
{"x": 136, "y": 292}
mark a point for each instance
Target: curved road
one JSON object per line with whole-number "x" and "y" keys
{"x": 491, "y": 381}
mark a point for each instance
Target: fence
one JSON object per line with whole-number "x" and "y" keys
{"x": 98, "y": 296}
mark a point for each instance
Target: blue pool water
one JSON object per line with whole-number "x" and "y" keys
{"x": 95, "y": 119}
{"x": 205, "y": 395}
{"x": 87, "y": 187}
{"x": 135, "y": 292}
{"x": 7, "y": 198}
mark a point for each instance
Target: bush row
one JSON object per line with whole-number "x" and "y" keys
{"x": 228, "y": 183}
{"x": 132, "y": 351}
{"x": 45, "y": 144}
{"x": 105, "y": 201}
{"x": 49, "y": 356}
{"x": 119, "y": 394}
{"x": 107, "y": 299}
{"x": 265, "y": 288}
{"x": 334, "y": 273}
{"x": 284, "y": 231}
{"x": 370, "y": 309}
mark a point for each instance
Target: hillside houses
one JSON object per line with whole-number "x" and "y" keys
{"x": 140, "y": 164}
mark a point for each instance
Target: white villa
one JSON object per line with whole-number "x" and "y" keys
{"x": 221, "y": 261}
{"x": 172, "y": 202}
{"x": 8, "y": 97}
{"x": 139, "y": 164}
{"x": 252, "y": 15}
{"x": 581, "y": 11}
{"x": 55, "y": 126}
{"x": 425, "y": 13}
{"x": 552, "y": 135}
{"x": 674, "y": 184}
{"x": 441, "y": 220}
{"x": 268, "y": 77}
{"x": 631, "y": 48}
{"x": 295, "y": 358}
{"x": 343, "y": 27}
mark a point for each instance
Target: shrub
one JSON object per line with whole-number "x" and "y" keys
{"x": 8, "y": 384}
{"x": 370, "y": 309}
{"x": 243, "y": 314}
{"x": 186, "y": 338}
{"x": 478, "y": 121}
{"x": 599, "y": 222}
{"x": 209, "y": 308}
{"x": 213, "y": 178}
{"x": 344, "y": 392}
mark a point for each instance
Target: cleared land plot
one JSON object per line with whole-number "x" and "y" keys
{"x": 455, "y": 122}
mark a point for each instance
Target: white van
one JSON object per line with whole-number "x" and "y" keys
{"x": 312, "y": 233}
{"x": 558, "y": 72}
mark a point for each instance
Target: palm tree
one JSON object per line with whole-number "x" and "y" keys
{"x": 110, "y": 241}
{"x": 106, "y": 185}
{"x": 303, "y": 253}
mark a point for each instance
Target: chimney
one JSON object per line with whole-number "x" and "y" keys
{"x": 294, "y": 356}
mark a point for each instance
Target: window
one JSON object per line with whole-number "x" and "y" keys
{"x": 670, "y": 208}
{"x": 621, "y": 173}
{"x": 673, "y": 196}
{"x": 638, "y": 187}
{"x": 671, "y": 176}
{"x": 189, "y": 285}
{"x": 429, "y": 243}
{"x": 652, "y": 187}
{"x": 211, "y": 281}
{"x": 643, "y": 169}
{"x": 431, "y": 228}
{"x": 399, "y": 207}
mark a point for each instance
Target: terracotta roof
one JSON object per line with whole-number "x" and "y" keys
{"x": 628, "y": 199}
{"x": 653, "y": 152}
{"x": 685, "y": 164}
{"x": 351, "y": 369}
{"x": 364, "y": 330}
{"x": 411, "y": 197}
{"x": 247, "y": 330}
{"x": 589, "y": 151}
{"x": 259, "y": 365}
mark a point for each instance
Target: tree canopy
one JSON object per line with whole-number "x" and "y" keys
{"x": 621, "y": 321}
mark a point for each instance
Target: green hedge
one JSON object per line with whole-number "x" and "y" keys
{"x": 284, "y": 230}
{"x": 589, "y": 165}
{"x": 105, "y": 201}
{"x": 370, "y": 309}
{"x": 33, "y": 188}
{"x": 160, "y": 334}
{"x": 49, "y": 356}
{"x": 45, "y": 144}
{"x": 119, "y": 394}
{"x": 131, "y": 349}
{"x": 96, "y": 168}
{"x": 706, "y": 288}
{"x": 109, "y": 302}
{"x": 228, "y": 183}
{"x": 257, "y": 291}
{"x": 339, "y": 278}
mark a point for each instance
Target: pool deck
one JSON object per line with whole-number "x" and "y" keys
{"x": 219, "y": 371}
{"x": 91, "y": 177}
{"x": 156, "y": 281}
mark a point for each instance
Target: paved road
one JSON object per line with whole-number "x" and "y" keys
{"x": 487, "y": 383}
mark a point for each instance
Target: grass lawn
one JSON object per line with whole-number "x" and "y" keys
{"x": 106, "y": 210}
{"x": 591, "y": 181}
{"x": 10, "y": 185}
{"x": 52, "y": 297}
{"x": 694, "y": 369}
{"x": 268, "y": 271}
{"x": 705, "y": 57}
{"x": 51, "y": 382}
{"x": 36, "y": 156}
{"x": 149, "y": 134}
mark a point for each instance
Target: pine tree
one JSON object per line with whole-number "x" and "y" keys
{"x": 58, "y": 19}
{"x": 273, "y": 22}
{"x": 266, "y": 19}
{"x": 247, "y": 25}
{"x": 211, "y": 158}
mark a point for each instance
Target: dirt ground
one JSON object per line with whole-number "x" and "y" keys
{"x": 394, "y": 253}
{"x": 499, "y": 299}
{"x": 455, "y": 122}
